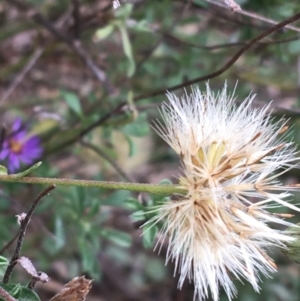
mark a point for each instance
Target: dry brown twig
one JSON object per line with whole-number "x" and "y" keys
{"x": 19, "y": 78}
{"x": 24, "y": 220}
{"x": 250, "y": 14}
{"x": 227, "y": 65}
{"x": 74, "y": 44}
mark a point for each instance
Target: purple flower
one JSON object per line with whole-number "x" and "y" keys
{"x": 19, "y": 148}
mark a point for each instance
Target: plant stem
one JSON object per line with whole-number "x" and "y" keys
{"x": 152, "y": 188}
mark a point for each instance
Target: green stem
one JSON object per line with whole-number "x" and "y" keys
{"x": 156, "y": 189}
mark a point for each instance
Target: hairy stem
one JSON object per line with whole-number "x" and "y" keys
{"x": 152, "y": 188}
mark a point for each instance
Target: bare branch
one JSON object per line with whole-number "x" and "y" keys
{"x": 76, "y": 17}
{"x": 253, "y": 15}
{"x": 24, "y": 224}
{"x": 75, "y": 45}
{"x": 36, "y": 55}
{"x": 233, "y": 59}
{"x": 227, "y": 45}
{"x": 98, "y": 151}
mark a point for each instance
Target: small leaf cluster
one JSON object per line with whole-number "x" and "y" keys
{"x": 145, "y": 212}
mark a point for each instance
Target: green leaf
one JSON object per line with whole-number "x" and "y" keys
{"x": 104, "y": 32}
{"x": 27, "y": 171}
{"x": 28, "y": 295}
{"x": 116, "y": 198}
{"x": 3, "y": 261}
{"x": 165, "y": 182}
{"x": 3, "y": 170}
{"x": 141, "y": 26}
{"x": 78, "y": 199}
{"x": 59, "y": 231}
{"x": 124, "y": 11}
{"x": 159, "y": 199}
{"x": 138, "y": 128}
{"x": 133, "y": 204}
{"x": 87, "y": 255}
{"x": 138, "y": 216}
{"x": 149, "y": 234}
{"x": 3, "y": 265}
{"x": 293, "y": 247}
{"x": 73, "y": 102}
{"x": 13, "y": 289}
{"x": 127, "y": 48}
{"x": 118, "y": 237}
{"x": 131, "y": 144}
{"x": 294, "y": 47}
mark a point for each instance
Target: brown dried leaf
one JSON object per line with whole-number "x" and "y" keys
{"x": 75, "y": 290}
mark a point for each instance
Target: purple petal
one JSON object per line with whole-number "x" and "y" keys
{"x": 34, "y": 141}
{"x": 18, "y": 129}
{"x": 26, "y": 159}
{"x": 13, "y": 162}
{"x": 32, "y": 148}
{"x": 3, "y": 154}
{"x": 19, "y": 136}
{"x": 17, "y": 125}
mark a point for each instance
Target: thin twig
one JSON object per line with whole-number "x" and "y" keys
{"x": 78, "y": 49}
{"x": 76, "y": 18}
{"x": 254, "y": 16}
{"x": 175, "y": 21}
{"x": 227, "y": 45}
{"x": 6, "y": 296}
{"x": 19, "y": 78}
{"x": 9, "y": 243}
{"x": 75, "y": 45}
{"x": 101, "y": 153}
{"x": 24, "y": 224}
{"x": 233, "y": 59}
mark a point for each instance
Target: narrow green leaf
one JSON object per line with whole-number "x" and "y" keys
{"x": 3, "y": 265}
{"x": 133, "y": 204}
{"x": 138, "y": 216}
{"x": 28, "y": 295}
{"x": 60, "y": 237}
{"x": 3, "y": 170}
{"x": 87, "y": 255}
{"x": 3, "y": 261}
{"x": 13, "y": 289}
{"x": 116, "y": 198}
{"x": 118, "y": 237}
{"x": 131, "y": 144}
{"x": 293, "y": 247}
{"x": 27, "y": 171}
{"x": 138, "y": 128}
{"x": 73, "y": 102}
{"x": 124, "y": 11}
{"x": 149, "y": 234}
{"x": 165, "y": 182}
{"x": 104, "y": 32}
{"x": 127, "y": 49}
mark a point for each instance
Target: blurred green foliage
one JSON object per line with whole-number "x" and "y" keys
{"x": 142, "y": 46}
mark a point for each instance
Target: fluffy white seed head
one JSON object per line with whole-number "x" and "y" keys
{"x": 232, "y": 157}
